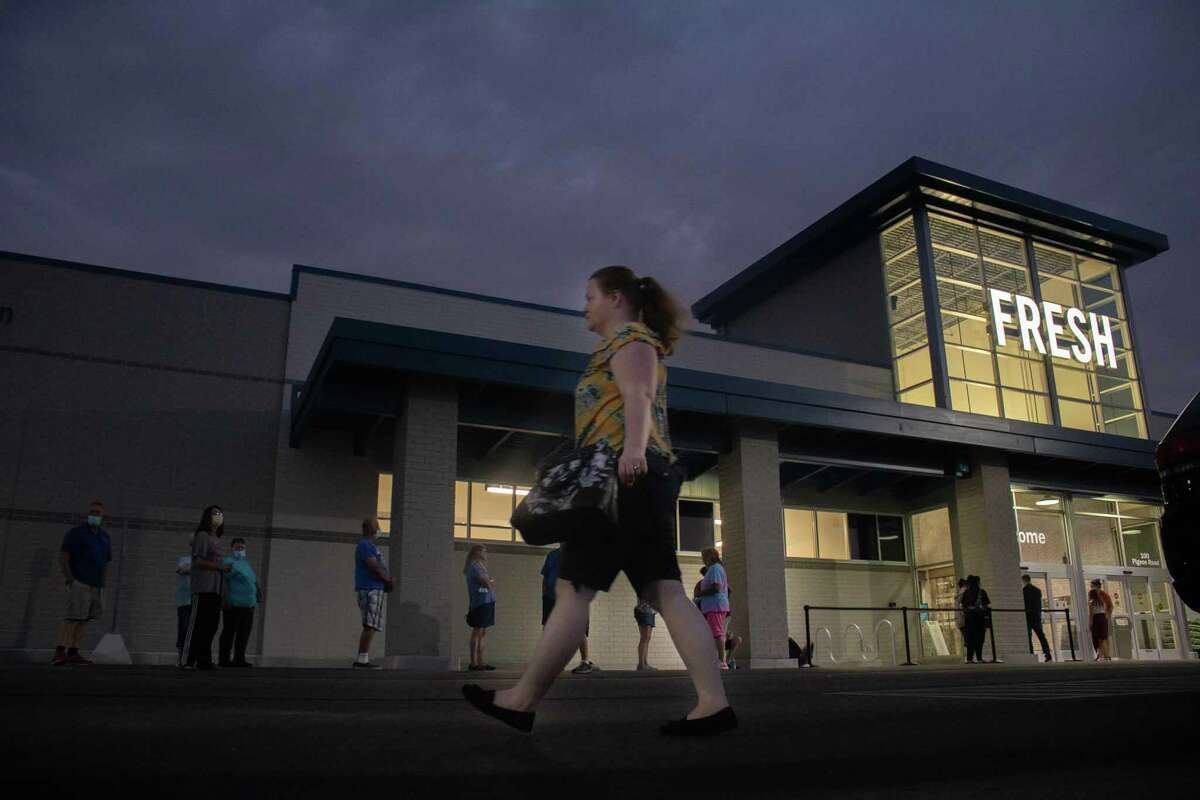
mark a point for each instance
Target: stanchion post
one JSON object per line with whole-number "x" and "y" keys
{"x": 806, "y": 656}
{"x": 1070, "y": 634}
{"x": 992, "y": 635}
{"x": 908, "y": 662}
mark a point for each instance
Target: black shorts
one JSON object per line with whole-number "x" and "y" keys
{"x": 483, "y": 616}
{"x": 548, "y": 606}
{"x": 643, "y": 543}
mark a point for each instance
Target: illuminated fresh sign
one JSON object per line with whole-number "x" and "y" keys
{"x": 1092, "y": 332}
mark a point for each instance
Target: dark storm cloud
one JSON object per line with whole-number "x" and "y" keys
{"x": 510, "y": 148}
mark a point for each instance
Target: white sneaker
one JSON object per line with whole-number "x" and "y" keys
{"x": 584, "y": 668}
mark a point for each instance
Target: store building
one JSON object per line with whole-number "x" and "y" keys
{"x": 937, "y": 378}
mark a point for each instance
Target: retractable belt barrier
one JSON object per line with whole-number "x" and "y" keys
{"x": 808, "y": 659}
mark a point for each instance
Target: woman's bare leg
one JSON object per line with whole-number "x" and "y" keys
{"x": 693, "y": 640}
{"x": 560, "y": 639}
{"x": 644, "y": 633}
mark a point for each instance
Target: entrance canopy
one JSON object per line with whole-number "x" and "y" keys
{"x": 362, "y": 369}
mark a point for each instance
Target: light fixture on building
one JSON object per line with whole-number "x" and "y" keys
{"x": 521, "y": 492}
{"x": 716, "y": 522}
{"x": 1047, "y": 501}
{"x": 717, "y": 543}
{"x": 507, "y": 490}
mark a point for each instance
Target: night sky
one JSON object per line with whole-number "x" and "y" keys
{"x": 511, "y": 148}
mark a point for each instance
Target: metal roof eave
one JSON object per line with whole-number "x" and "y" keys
{"x": 837, "y": 228}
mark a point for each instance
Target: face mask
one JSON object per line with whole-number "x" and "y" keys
{"x": 94, "y": 520}
{"x": 239, "y": 553}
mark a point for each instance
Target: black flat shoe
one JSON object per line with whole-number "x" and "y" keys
{"x": 723, "y": 720}
{"x": 483, "y": 699}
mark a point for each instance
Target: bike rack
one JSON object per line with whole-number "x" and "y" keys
{"x": 829, "y": 638}
{"x": 892, "y": 629}
{"x": 862, "y": 644}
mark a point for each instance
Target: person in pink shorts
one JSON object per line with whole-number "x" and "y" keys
{"x": 713, "y": 593}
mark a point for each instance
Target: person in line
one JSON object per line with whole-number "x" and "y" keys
{"x": 643, "y": 615}
{"x": 83, "y": 559}
{"x": 371, "y": 582}
{"x": 714, "y": 599}
{"x": 242, "y": 596}
{"x": 975, "y": 604}
{"x": 549, "y": 580}
{"x": 960, "y": 617}
{"x": 1100, "y": 608}
{"x": 183, "y": 600}
{"x": 1033, "y": 616}
{"x": 481, "y": 598}
{"x": 621, "y": 401}
{"x": 732, "y": 643}
{"x": 207, "y": 582}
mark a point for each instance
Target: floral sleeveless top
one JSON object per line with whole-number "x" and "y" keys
{"x": 599, "y": 407}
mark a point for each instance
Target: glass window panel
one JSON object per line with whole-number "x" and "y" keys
{"x": 954, "y": 233}
{"x": 1122, "y": 396}
{"x": 1058, "y": 290}
{"x": 891, "y": 539}
{"x": 1001, "y": 247}
{"x": 1051, "y": 261}
{"x": 922, "y": 396}
{"x": 491, "y": 534}
{"x": 1097, "y": 539}
{"x": 966, "y": 331}
{"x": 909, "y": 335}
{"x": 863, "y": 535}
{"x": 831, "y": 536}
{"x": 1091, "y": 505}
{"x": 695, "y": 525}
{"x": 800, "y": 533}
{"x": 959, "y": 266}
{"x": 1140, "y": 510}
{"x": 385, "y": 525}
{"x": 1132, "y": 425}
{"x": 1140, "y": 541}
{"x": 1164, "y": 603}
{"x": 898, "y": 239}
{"x": 491, "y": 504}
{"x": 460, "y": 502}
{"x": 1077, "y": 415}
{"x": 1042, "y": 537}
{"x": 913, "y": 368}
{"x": 383, "y": 497}
{"x": 964, "y": 299}
{"x": 460, "y": 531}
{"x": 1037, "y": 500}
{"x": 971, "y": 365}
{"x": 1022, "y": 373}
{"x": 1007, "y": 278}
{"x": 1098, "y": 273}
{"x": 1124, "y": 367}
{"x": 1026, "y": 406}
{"x": 905, "y": 300}
{"x": 1074, "y": 383}
{"x": 931, "y": 537}
{"x": 1109, "y": 306}
{"x": 974, "y": 398}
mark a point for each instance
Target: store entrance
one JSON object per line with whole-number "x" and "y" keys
{"x": 1143, "y": 620}
{"x": 1056, "y": 594}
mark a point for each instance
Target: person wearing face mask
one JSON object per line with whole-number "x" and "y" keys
{"x": 207, "y": 579}
{"x": 371, "y": 582}
{"x": 83, "y": 559}
{"x": 242, "y": 596}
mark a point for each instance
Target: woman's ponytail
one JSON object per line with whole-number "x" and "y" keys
{"x": 661, "y": 312}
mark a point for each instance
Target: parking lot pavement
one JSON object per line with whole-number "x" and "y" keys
{"x": 1119, "y": 730}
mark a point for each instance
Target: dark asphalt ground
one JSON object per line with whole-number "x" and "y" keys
{"x": 1121, "y": 730}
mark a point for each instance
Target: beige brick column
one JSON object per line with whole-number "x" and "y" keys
{"x": 752, "y": 542}
{"x": 985, "y": 544}
{"x": 421, "y": 550}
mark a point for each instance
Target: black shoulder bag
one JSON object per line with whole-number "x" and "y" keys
{"x": 574, "y": 497}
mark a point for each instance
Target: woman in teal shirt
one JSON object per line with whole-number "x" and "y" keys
{"x": 241, "y": 598}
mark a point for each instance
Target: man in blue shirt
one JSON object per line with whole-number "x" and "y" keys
{"x": 83, "y": 559}
{"x": 242, "y": 596}
{"x": 549, "y": 593}
{"x": 371, "y": 582}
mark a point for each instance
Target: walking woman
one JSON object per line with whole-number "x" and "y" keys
{"x": 975, "y": 604}
{"x": 481, "y": 599}
{"x": 207, "y": 579}
{"x": 1100, "y": 608}
{"x": 621, "y": 400}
